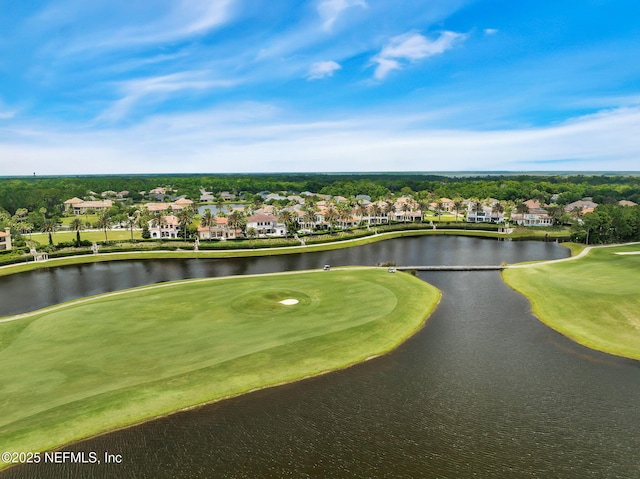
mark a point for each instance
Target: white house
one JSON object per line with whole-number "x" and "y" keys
{"x": 534, "y": 217}
{"x": 168, "y": 227}
{"x": 266, "y": 225}
{"x": 485, "y": 215}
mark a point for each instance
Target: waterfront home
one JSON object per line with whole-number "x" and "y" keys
{"x": 5, "y": 240}
{"x": 266, "y": 225}
{"x": 484, "y": 215}
{"x": 220, "y": 230}
{"x": 165, "y": 227}
{"x": 227, "y": 196}
{"x": 533, "y": 217}
{"x": 80, "y": 207}
{"x": 176, "y": 206}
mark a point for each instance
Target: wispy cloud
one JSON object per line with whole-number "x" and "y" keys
{"x": 320, "y": 70}
{"x": 330, "y": 10}
{"x": 157, "y": 89}
{"x": 259, "y": 137}
{"x": 490, "y": 31}
{"x": 411, "y": 47}
{"x": 124, "y": 25}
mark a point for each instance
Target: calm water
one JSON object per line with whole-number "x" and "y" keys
{"x": 484, "y": 390}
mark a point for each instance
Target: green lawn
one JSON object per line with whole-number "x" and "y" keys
{"x": 92, "y": 365}
{"x": 594, "y": 300}
{"x": 64, "y": 236}
{"x": 66, "y": 220}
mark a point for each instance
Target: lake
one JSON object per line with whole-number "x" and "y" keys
{"x": 484, "y": 390}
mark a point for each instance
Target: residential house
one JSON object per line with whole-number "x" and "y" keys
{"x": 447, "y": 204}
{"x": 220, "y": 230}
{"x": 168, "y": 227}
{"x": 80, "y": 207}
{"x": 205, "y": 196}
{"x": 5, "y": 240}
{"x": 580, "y": 206}
{"x": 176, "y": 206}
{"x": 627, "y": 203}
{"x": 227, "y": 196}
{"x": 484, "y": 215}
{"x": 266, "y": 225}
{"x": 534, "y": 217}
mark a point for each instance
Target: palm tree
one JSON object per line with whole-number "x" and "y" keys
{"x": 208, "y": 220}
{"x": 389, "y": 208}
{"x": 104, "y": 223}
{"x": 331, "y": 217}
{"x": 376, "y": 211}
{"x": 131, "y": 222}
{"x": 286, "y": 217}
{"x": 184, "y": 220}
{"x": 406, "y": 207}
{"x": 457, "y": 206}
{"x": 76, "y": 225}
{"x": 49, "y": 227}
{"x": 236, "y": 221}
{"x": 345, "y": 217}
{"x": 310, "y": 218}
{"x": 361, "y": 210}
{"x": 522, "y": 208}
{"x": 497, "y": 209}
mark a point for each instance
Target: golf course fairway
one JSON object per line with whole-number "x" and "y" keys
{"x": 594, "y": 300}
{"x": 96, "y": 364}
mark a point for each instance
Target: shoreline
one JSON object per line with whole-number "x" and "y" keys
{"x": 406, "y": 330}
{"x": 248, "y": 252}
{"x": 598, "y": 334}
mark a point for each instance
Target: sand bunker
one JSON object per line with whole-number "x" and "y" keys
{"x": 289, "y": 302}
{"x": 630, "y": 252}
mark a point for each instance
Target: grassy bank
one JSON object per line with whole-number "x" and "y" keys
{"x": 593, "y": 300}
{"x": 96, "y": 364}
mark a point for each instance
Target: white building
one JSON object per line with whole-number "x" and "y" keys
{"x": 167, "y": 227}
{"x": 266, "y": 225}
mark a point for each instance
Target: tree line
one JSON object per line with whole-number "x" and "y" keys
{"x": 50, "y": 192}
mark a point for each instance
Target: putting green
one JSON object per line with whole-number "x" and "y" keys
{"x": 93, "y": 365}
{"x": 593, "y": 300}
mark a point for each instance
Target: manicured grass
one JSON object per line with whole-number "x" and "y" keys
{"x": 97, "y": 236}
{"x": 66, "y": 220}
{"x": 575, "y": 248}
{"x": 594, "y": 300}
{"x": 92, "y": 365}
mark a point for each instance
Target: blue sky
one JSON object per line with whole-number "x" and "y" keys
{"x": 325, "y": 85}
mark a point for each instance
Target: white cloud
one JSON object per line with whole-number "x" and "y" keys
{"x": 330, "y": 10}
{"x": 411, "y": 47}
{"x": 320, "y": 70}
{"x": 7, "y": 114}
{"x": 158, "y": 88}
{"x": 257, "y": 137}
{"x": 119, "y": 24}
{"x": 490, "y": 31}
